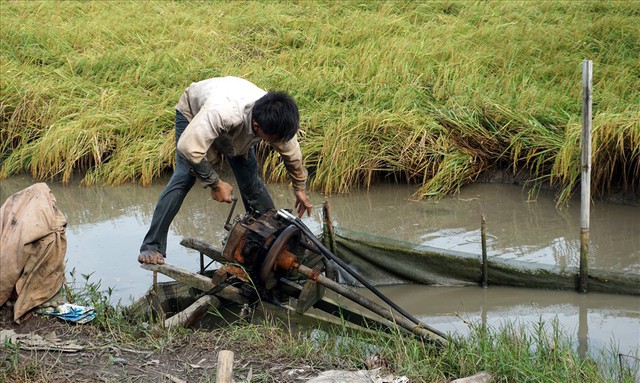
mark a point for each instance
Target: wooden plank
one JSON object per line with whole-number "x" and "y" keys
{"x": 287, "y": 314}
{"x": 197, "y": 281}
{"x": 192, "y": 279}
{"x": 329, "y": 306}
{"x": 191, "y": 314}
{"x": 311, "y": 293}
{"x": 204, "y": 248}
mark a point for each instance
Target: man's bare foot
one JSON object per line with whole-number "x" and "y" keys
{"x": 151, "y": 257}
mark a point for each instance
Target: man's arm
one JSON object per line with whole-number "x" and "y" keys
{"x": 204, "y": 171}
{"x": 220, "y": 190}
{"x": 292, "y": 157}
{"x": 302, "y": 203}
{"x": 193, "y": 145}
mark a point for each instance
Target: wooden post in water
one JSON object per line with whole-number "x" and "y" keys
{"x": 328, "y": 227}
{"x": 330, "y": 238}
{"x": 585, "y": 187}
{"x": 485, "y": 265}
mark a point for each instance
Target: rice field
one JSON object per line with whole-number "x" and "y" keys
{"x": 433, "y": 93}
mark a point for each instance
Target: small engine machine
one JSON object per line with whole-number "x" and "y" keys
{"x": 276, "y": 246}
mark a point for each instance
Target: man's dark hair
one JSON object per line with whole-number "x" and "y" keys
{"x": 277, "y": 114}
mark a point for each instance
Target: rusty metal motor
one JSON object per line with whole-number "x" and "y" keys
{"x": 252, "y": 239}
{"x": 268, "y": 246}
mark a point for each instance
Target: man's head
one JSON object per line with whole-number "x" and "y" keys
{"x": 276, "y": 116}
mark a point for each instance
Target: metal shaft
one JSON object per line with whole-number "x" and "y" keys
{"x": 418, "y": 329}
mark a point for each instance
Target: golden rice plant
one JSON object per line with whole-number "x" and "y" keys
{"x": 431, "y": 93}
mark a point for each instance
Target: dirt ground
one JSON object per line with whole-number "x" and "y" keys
{"x": 190, "y": 357}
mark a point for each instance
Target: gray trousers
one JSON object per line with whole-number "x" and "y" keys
{"x": 255, "y": 196}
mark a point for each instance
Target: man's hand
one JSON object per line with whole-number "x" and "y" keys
{"x": 222, "y": 192}
{"x": 302, "y": 203}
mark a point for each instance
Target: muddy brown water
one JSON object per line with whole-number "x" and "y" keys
{"x": 106, "y": 225}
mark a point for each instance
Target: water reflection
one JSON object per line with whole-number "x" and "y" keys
{"x": 519, "y": 228}
{"x": 107, "y": 224}
{"x": 516, "y": 227}
{"x": 529, "y": 230}
{"x": 596, "y": 321}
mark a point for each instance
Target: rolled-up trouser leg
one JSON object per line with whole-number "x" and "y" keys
{"x": 255, "y": 195}
{"x": 170, "y": 199}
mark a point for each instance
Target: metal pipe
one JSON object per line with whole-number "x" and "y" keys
{"x": 419, "y": 329}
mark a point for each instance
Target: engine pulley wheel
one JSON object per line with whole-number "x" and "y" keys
{"x": 287, "y": 240}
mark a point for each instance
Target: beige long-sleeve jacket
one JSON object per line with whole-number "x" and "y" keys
{"x": 219, "y": 113}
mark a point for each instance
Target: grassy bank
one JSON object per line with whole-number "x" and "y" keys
{"x": 434, "y": 93}
{"x": 118, "y": 348}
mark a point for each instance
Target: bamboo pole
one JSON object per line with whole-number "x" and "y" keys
{"x": 485, "y": 263}
{"x": 585, "y": 190}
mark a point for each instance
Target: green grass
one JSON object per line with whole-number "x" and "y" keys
{"x": 537, "y": 352}
{"x": 510, "y": 354}
{"x": 433, "y": 93}
{"x": 540, "y": 352}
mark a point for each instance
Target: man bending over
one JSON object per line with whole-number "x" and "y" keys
{"x": 227, "y": 116}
